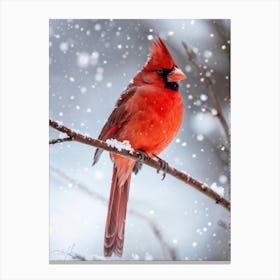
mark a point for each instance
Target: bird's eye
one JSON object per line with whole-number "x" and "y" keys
{"x": 160, "y": 71}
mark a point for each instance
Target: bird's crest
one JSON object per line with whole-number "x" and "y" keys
{"x": 159, "y": 56}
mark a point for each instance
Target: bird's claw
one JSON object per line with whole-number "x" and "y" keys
{"x": 142, "y": 155}
{"x": 163, "y": 166}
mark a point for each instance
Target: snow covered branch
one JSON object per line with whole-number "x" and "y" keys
{"x": 209, "y": 85}
{"x": 208, "y": 191}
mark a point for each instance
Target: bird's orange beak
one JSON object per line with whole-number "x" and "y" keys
{"x": 176, "y": 75}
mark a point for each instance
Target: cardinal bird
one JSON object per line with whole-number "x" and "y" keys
{"x": 148, "y": 114}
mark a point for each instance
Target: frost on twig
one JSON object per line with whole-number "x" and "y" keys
{"x": 219, "y": 190}
{"x": 147, "y": 160}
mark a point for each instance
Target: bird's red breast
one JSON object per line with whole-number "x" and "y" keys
{"x": 155, "y": 118}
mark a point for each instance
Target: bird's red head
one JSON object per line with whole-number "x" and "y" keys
{"x": 160, "y": 56}
{"x": 160, "y": 69}
{"x": 161, "y": 60}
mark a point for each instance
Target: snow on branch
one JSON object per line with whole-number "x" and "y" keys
{"x": 138, "y": 156}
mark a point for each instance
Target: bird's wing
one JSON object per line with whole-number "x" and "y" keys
{"x": 117, "y": 119}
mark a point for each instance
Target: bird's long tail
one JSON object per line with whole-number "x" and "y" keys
{"x": 115, "y": 223}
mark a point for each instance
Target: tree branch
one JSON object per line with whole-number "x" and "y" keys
{"x": 60, "y": 140}
{"x": 209, "y": 85}
{"x": 147, "y": 160}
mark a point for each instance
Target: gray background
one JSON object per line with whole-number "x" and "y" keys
{"x": 91, "y": 63}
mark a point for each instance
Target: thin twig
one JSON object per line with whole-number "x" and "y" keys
{"x": 209, "y": 85}
{"x": 219, "y": 28}
{"x": 76, "y": 256}
{"x": 221, "y": 152}
{"x": 147, "y": 160}
{"x": 60, "y": 140}
{"x": 171, "y": 252}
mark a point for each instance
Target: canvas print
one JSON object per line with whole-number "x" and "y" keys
{"x": 139, "y": 140}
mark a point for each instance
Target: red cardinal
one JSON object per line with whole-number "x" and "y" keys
{"x": 148, "y": 114}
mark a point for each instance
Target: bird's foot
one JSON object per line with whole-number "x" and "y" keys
{"x": 142, "y": 155}
{"x": 163, "y": 166}
{"x": 137, "y": 167}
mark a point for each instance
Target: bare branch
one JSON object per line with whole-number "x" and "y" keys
{"x": 169, "y": 251}
{"x": 147, "y": 160}
{"x": 209, "y": 85}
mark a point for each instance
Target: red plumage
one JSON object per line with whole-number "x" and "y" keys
{"x": 148, "y": 114}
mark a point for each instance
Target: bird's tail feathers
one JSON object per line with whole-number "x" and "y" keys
{"x": 115, "y": 223}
